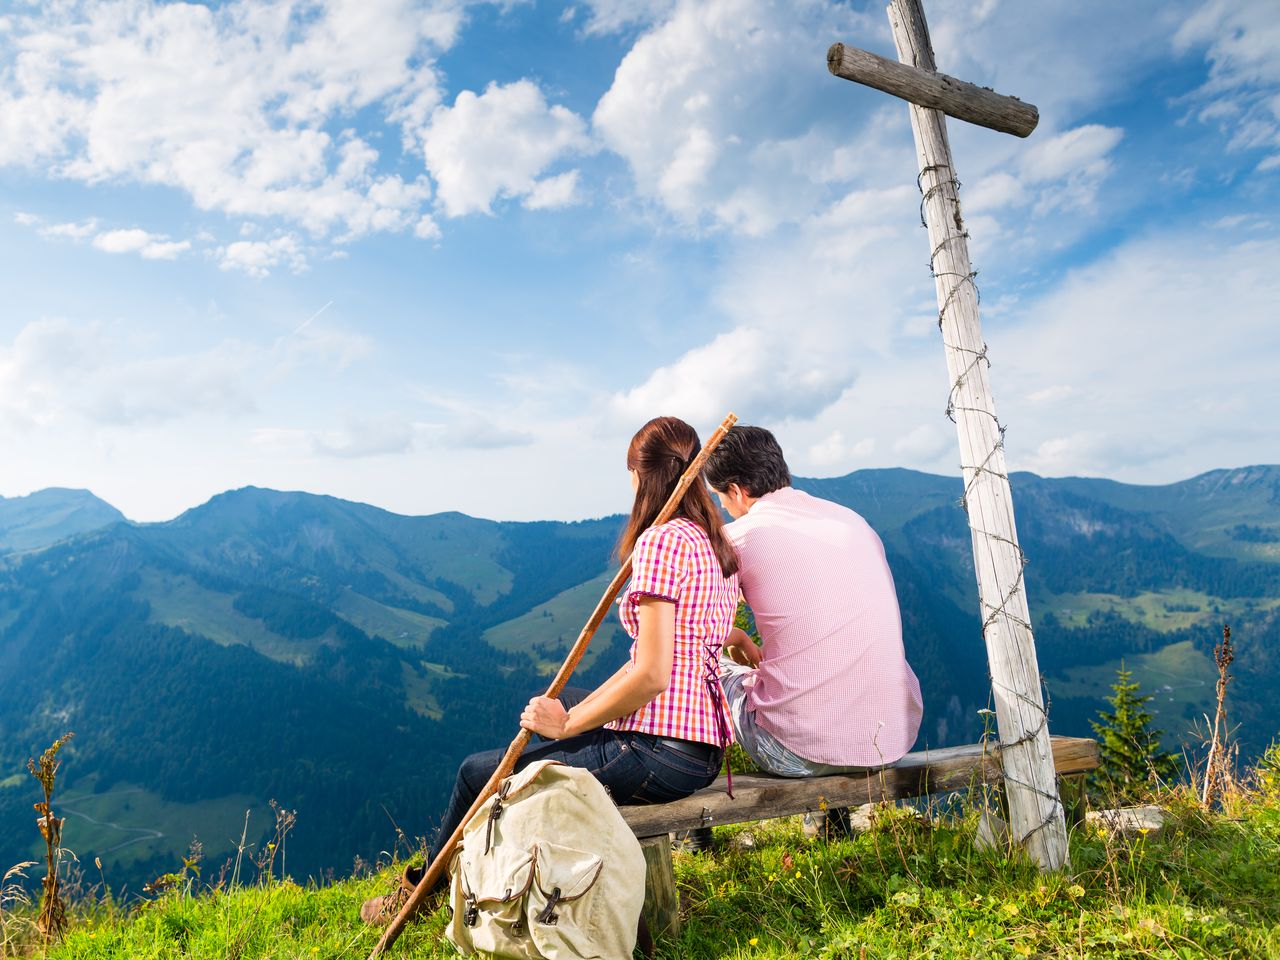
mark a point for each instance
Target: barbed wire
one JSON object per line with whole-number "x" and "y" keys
{"x": 1049, "y": 804}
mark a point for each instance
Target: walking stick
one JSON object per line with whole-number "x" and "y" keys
{"x": 432, "y": 873}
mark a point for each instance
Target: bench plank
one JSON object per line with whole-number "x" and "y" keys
{"x": 762, "y": 797}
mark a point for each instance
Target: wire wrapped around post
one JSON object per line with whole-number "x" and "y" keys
{"x": 1035, "y": 811}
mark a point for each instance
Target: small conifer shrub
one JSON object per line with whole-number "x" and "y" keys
{"x": 1132, "y": 760}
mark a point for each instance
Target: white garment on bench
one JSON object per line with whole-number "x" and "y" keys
{"x": 761, "y": 746}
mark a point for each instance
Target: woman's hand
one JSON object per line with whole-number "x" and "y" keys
{"x": 741, "y": 649}
{"x": 546, "y": 716}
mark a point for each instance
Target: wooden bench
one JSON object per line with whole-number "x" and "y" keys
{"x": 762, "y": 797}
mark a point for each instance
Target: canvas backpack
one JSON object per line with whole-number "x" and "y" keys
{"x": 548, "y": 868}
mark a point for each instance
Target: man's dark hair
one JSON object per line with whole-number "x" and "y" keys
{"x": 751, "y": 458}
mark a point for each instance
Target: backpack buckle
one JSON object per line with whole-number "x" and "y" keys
{"x": 472, "y": 914}
{"x": 548, "y": 915}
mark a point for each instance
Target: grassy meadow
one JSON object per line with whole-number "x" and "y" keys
{"x": 915, "y": 884}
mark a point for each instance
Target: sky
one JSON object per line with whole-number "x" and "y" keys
{"x": 446, "y": 255}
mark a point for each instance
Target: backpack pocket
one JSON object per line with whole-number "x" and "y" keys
{"x": 562, "y": 901}
{"x": 489, "y": 896}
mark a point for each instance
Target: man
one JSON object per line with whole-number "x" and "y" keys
{"x": 831, "y": 690}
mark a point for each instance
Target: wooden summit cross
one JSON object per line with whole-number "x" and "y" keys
{"x": 1035, "y": 812}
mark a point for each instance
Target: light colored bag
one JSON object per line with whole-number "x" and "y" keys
{"x": 547, "y": 868}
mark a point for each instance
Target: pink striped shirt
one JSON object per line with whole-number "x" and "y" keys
{"x": 675, "y": 561}
{"x": 834, "y": 685}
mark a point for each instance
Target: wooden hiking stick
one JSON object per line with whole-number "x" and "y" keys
{"x": 433, "y": 871}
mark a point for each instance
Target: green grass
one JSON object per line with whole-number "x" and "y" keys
{"x": 1206, "y": 888}
{"x": 178, "y": 601}
{"x": 127, "y": 824}
{"x": 1179, "y": 677}
{"x": 554, "y": 626}
{"x": 1165, "y": 610}
{"x": 404, "y": 628}
{"x": 417, "y": 689}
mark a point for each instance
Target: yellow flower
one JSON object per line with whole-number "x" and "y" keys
{"x": 971, "y": 931}
{"x": 797, "y": 874}
{"x": 753, "y": 941}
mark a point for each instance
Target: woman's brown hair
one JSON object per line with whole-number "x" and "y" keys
{"x": 660, "y": 452}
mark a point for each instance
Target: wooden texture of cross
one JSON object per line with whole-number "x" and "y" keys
{"x": 1035, "y": 811}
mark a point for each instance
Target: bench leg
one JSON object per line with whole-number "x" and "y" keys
{"x": 1071, "y": 790}
{"x": 661, "y": 901}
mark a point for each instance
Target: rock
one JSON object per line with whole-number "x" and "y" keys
{"x": 993, "y": 832}
{"x": 1129, "y": 821}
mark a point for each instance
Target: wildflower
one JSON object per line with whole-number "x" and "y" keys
{"x": 753, "y": 941}
{"x": 971, "y": 932}
{"x": 797, "y": 874}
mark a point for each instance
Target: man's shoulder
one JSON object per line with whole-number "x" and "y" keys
{"x": 789, "y": 506}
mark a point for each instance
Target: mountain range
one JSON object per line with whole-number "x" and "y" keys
{"x": 341, "y": 660}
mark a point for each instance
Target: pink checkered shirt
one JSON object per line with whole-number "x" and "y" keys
{"x": 675, "y": 561}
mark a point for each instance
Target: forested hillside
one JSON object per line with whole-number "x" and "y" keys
{"x": 341, "y": 659}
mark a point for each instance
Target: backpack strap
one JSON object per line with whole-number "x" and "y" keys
{"x": 644, "y": 939}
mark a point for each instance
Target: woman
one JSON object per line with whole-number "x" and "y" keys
{"x": 656, "y": 730}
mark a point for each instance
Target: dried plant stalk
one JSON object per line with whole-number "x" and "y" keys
{"x": 52, "y": 920}
{"x": 1217, "y": 768}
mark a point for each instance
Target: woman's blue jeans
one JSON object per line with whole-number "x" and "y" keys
{"x": 635, "y": 768}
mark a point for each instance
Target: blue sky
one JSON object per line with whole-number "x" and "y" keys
{"x": 436, "y": 255}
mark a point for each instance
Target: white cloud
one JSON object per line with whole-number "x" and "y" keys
{"x": 241, "y": 105}
{"x": 611, "y": 16}
{"x": 258, "y": 257}
{"x": 388, "y": 435}
{"x": 1242, "y": 95}
{"x": 496, "y": 144}
{"x": 833, "y": 449}
{"x": 150, "y": 246}
{"x": 1152, "y": 364}
{"x": 552, "y": 192}
{"x": 59, "y": 373}
{"x": 78, "y": 230}
{"x": 922, "y": 444}
{"x": 363, "y": 438}
{"x": 807, "y": 312}
{"x": 56, "y": 371}
{"x": 686, "y": 110}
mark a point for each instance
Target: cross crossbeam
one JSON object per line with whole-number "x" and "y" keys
{"x": 928, "y": 88}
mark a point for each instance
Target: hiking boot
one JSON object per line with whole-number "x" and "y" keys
{"x": 379, "y": 911}
{"x": 694, "y": 841}
{"x": 832, "y": 824}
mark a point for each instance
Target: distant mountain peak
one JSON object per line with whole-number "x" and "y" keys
{"x": 47, "y": 516}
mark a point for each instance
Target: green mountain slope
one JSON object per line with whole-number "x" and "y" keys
{"x": 342, "y": 659}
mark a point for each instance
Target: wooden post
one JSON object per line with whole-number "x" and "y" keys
{"x": 661, "y": 909}
{"x": 1036, "y": 815}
